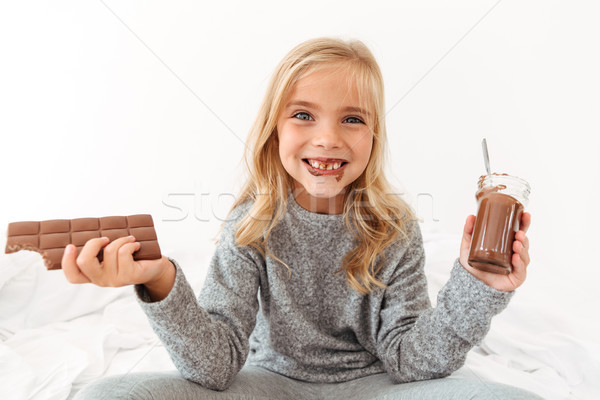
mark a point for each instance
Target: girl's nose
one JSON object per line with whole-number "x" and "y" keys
{"x": 328, "y": 137}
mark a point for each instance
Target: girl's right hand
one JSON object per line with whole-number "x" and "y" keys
{"x": 118, "y": 267}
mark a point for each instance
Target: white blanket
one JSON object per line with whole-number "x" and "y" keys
{"x": 56, "y": 337}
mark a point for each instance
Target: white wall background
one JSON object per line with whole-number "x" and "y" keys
{"x": 122, "y": 107}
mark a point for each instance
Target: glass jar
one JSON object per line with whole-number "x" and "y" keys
{"x": 501, "y": 200}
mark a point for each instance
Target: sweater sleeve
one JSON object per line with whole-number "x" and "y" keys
{"x": 207, "y": 338}
{"x": 418, "y": 342}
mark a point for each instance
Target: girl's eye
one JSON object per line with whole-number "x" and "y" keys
{"x": 303, "y": 114}
{"x": 356, "y": 119}
{"x": 306, "y": 117}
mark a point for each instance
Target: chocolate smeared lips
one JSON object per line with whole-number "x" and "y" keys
{"x": 326, "y": 167}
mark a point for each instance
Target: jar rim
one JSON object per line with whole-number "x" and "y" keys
{"x": 495, "y": 175}
{"x": 495, "y": 178}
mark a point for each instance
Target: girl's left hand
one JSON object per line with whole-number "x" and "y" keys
{"x": 520, "y": 258}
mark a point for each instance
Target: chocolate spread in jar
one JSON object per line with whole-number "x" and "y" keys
{"x": 497, "y": 223}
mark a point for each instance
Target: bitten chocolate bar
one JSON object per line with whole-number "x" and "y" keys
{"x": 49, "y": 238}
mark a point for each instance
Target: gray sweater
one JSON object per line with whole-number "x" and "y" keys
{"x": 313, "y": 326}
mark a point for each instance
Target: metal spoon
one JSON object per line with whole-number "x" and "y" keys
{"x": 486, "y": 156}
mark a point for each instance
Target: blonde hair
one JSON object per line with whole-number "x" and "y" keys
{"x": 375, "y": 226}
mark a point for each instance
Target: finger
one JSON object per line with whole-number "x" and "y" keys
{"x": 525, "y": 221}
{"x": 522, "y": 251}
{"x": 126, "y": 269}
{"x": 468, "y": 230}
{"x": 87, "y": 260}
{"x": 90, "y": 250}
{"x": 522, "y": 238}
{"x": 111, "y": 256}
{"x": 519, "y": 268}
{"x": 466, "y": 239}
{"x": 469, "y": 225}
{"x": 521, "y": 259}
{"x": 517, "y": 246}
{"x": 70, "y": 268}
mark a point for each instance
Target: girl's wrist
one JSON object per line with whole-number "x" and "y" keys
{"x": 159, "y": 288}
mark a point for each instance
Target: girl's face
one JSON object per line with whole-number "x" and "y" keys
{"x": 324, "y": 140}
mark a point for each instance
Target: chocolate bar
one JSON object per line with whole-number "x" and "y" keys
{"x": 50, "y": 237}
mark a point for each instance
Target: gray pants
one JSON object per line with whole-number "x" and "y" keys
{"x": 258, "y": 383}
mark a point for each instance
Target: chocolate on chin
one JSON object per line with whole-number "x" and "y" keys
{"x": 50, "y": 237}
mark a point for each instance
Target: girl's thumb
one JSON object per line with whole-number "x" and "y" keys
{"x": 469, "y": 225}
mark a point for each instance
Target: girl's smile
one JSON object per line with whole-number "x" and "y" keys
{"x": 324, "y": 138}
{"x": 329, "y": 167}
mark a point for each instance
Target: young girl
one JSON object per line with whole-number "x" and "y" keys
{"x": 317, "y": 288}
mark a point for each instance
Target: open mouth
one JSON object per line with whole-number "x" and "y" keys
{"x": 323, "y": 166}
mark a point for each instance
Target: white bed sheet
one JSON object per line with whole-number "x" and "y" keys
{"x": 56, "y": 337}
